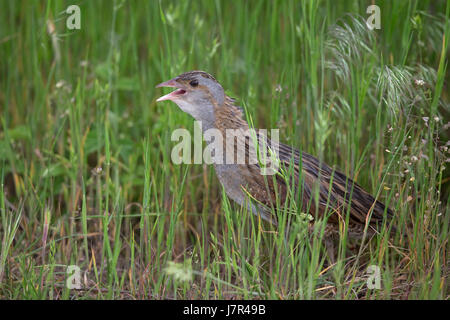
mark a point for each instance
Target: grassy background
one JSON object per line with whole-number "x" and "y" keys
{"x": 85, "y": 169}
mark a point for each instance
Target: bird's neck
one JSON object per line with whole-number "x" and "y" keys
{"x": 202, "y": 112}
{"x": 221, "y": 117}
{"x": 233, "y": 129}
{"x": 229, "y": 116}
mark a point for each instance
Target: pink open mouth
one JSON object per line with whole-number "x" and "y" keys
{"x": 174, "y": 94}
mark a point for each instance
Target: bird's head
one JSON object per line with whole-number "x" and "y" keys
{"x": 196, "y": 93}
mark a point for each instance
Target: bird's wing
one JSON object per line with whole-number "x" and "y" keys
{"x": 342, "y": 192}
{"x": 336, "y": 192}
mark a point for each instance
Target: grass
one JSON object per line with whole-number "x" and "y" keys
{"x": 87, "y": 179}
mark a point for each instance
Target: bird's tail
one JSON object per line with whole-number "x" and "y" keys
{"x": 363, "y": 206}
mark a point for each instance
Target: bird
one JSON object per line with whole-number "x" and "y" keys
{"x": 325, "y": 192}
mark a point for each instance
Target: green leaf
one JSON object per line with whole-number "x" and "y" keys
{"x": 20, "y": 133}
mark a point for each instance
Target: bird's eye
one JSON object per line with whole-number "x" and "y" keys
{"x": 194, "y": 83}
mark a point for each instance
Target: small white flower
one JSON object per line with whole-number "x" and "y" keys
{"x": 180, "y": 271}
{"x": 419, "y": 82}
{"x": 60, "y": 84}
{"x": 97, "y": 171}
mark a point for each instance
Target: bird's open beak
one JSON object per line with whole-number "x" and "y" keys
{"x": 174, "y": 94}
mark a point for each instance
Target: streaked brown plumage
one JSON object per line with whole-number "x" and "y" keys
{"x": 203, "y": 97}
